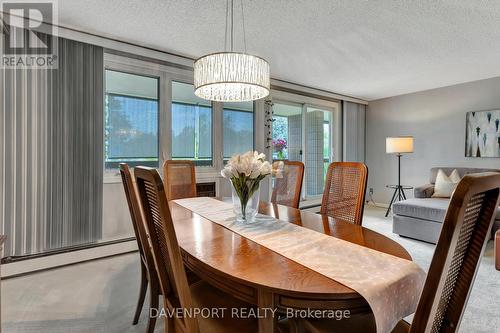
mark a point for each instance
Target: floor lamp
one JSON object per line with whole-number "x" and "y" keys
{"x": 398, "y": 145}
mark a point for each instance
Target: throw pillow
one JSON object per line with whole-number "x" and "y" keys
{"x": 445, "y": 185}
{"x": 455, "y": 177}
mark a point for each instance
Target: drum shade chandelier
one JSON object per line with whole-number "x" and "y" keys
{"x": 231, "y": 76}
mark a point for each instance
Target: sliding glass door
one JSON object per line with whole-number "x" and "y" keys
{"x": 305, "y": 132}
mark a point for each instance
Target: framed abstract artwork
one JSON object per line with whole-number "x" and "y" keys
{"x": 482, "y": 136}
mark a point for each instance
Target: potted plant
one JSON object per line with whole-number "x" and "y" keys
{"x": 279, "y": 146}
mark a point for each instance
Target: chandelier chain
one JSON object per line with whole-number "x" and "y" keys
{"x": 229, "y": 30}
{"x": 232, "y": 24}
{"x": 225, "y": 28}
{"x": 244, "y": 32}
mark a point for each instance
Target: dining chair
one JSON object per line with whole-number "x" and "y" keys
{"x": 461, "y": 244}
{"x": 344, "y": 194}
{"x": 172, "y": 274}
{"x": 148, "y": 270}
{"x": 179, "y": 179}
{"x": 287, "y": 189}
{"x": 497, "y": 250}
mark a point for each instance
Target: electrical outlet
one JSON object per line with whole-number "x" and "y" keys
{"x": 371, "y": 191}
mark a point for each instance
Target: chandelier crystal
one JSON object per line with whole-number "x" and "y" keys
{"x": 231, "y": 76}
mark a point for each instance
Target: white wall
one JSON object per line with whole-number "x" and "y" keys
{"x": 436, "y": 119}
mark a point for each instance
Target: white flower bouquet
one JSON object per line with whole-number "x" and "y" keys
{"x": 245, "y": 173}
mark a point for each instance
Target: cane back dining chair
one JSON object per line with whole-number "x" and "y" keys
{"x": 344, "y": 194}
{"x": 179, "y": 179}
{"x": 497, "y": 250}
{"x": 148, "y": 270}
{"x": 461, "y": 244}
{"x": 287, "y": 189}
{"x": 171, "y": 272}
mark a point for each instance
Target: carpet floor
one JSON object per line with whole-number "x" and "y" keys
{"x": 100, "y": 296}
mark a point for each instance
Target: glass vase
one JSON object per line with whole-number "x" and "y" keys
{"x": 245, "y": 208}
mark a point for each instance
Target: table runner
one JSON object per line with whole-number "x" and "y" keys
{"x": 391, "y": 285}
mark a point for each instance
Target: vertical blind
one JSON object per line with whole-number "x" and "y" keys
{"x": 353, "y": 117}
{"x": 51, "y": 129}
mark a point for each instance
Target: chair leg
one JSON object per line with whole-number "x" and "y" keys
{"x": 169, "y": 325}
{"x": 142, "y": 293}
{"x": 294, "y": 326}
{"x": 154, "y": 295}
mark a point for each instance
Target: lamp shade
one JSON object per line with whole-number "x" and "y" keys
{"x": 231, "y": 77}
{"x": 399, "y": 144}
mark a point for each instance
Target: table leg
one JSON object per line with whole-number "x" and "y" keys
{"x": 265, "y": 300}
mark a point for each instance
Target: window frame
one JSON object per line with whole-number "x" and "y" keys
{"x": 212, "y": 138}
{"x": 166, "y": 75}
{"x": 203, "y": 171}
{"x": 133, "y": 163}
{"x": 117, "y": 64}
{"x": 254, "y": 128}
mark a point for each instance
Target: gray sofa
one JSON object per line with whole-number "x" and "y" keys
{"x": 422, "y": 216}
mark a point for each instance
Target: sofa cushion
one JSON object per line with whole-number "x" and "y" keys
{"x": 433, "y": 209}
{"x": 423, "y": 191}
{"x": 425, "y": 230}
{"x": 445, "y": 185}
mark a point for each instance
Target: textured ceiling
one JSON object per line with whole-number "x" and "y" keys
{"x": 367, "y": 49}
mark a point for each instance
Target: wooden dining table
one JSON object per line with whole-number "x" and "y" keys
{"x": 260, "y": 276}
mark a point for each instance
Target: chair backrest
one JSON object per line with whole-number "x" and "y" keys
{"x": 179, "y": 179}
{"x": 287, "y": 189}
{"x": 456, "y": 259}
{"x": 344, "y": 195}
{"x": 136, "y": 216}
{"x": 165, "y": 248}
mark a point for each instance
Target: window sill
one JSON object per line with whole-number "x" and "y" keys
{"x": 202, "y": 173}
{"x": 310, "y": 202}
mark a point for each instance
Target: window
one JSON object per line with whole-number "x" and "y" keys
{"x": 191, "y": 125}
{"x": 326, "y": 147}
{"x": 237, "y": 130}
{"x": 287, "y": 132}
{"x": 131, "y": 120}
